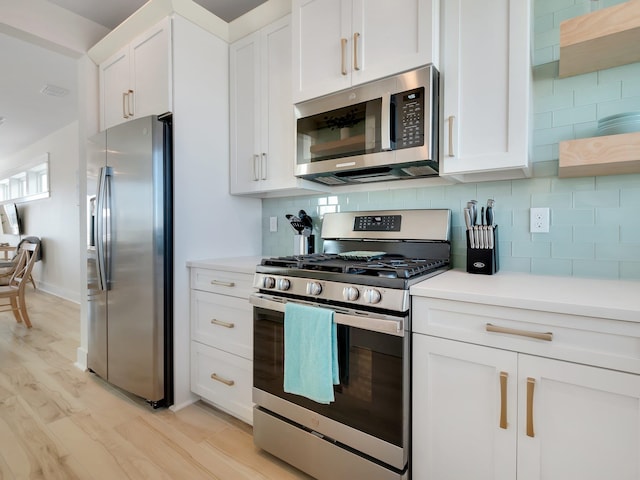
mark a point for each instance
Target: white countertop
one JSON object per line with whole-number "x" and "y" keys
{"x": 233, "y": 264}
{"x": 614, "y": 299}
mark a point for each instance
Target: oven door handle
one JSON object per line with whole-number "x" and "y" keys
{"x": 342, "y": 316}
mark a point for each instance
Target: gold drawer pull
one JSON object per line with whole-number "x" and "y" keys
{"x": 503, "y": 399}
{"x": 531, "y": 384}
{"x": 222, "y": 283}
{"x": 215, "y": 321}
{"x": 230, "y": 383}
{"x": 343, "y": 47}
{"x": 451, "y": 119}
{"x": 356, "y": 36}
{"x": 548, "y": 336}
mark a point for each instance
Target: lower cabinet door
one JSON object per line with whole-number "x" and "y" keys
{"x": 223, "y": 379}
{"x": 464, "y": 411}
{"x": 577, "y": 421}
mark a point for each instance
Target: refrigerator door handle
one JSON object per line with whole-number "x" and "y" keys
{"x": 102, "y": 227}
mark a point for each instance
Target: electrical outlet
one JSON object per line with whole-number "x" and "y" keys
{"x": 273, "y": 224}
{"x": 539, "y": 220}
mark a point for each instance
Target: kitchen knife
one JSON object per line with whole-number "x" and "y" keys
{"x": 490, "y": 205}
{"x": 490, "y": 225}
{"x": 467, "y": 221}
{"x": 472, "y": 206}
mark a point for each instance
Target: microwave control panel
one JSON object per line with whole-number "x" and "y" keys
{"x": 409, "y": 116}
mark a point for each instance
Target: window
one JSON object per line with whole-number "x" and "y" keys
{"x": 30, "y": 183}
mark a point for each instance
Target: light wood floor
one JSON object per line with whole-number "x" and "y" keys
{"x": 57, "y": 422}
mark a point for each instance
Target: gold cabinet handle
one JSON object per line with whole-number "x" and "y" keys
{"x": 451, "y": 118}
{"x": 217, "y": 378}
{"x": 256, "y": 167}
{"x": 548, "y": 336}
{"x": 215, "y": 321}
{"x": 263, "y": 166}
{"x": 503, "y": 399}
{"x": 531, "y": 384}
{"x": 343, "y": 48}
{"x": 356, "y": 36}
{"x": 130, "y": 103}
{"x": 222, "y": 283}
{"x": 124, "y": 105}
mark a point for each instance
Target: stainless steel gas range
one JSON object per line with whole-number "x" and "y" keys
{"x": 369, "y": 261}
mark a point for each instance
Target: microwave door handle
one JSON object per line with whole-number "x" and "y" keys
{"x": 385, "y": 122}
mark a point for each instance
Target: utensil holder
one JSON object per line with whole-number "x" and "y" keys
{"x": 480, "y": 258}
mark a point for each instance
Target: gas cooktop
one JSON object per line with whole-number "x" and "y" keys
{"x": 378, "y": 265}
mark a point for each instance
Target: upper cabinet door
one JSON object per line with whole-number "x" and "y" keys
{"x": 151, "y": 68}
{"x": 114, "y": 87}
{"x": 321, "y": 47}
{"x": 245, "y": 114}
{"x": 486, "y": 73}
{"x": 391, "y": 37}
{"x": 340, "y": 43}
{"x": 136, "y": 81}
{"x": 278, "y": 128}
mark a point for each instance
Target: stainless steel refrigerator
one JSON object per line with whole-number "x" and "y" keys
{"x": 130, "y": 261}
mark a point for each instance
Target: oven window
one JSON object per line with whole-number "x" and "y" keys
{"x": 347, "y": 131}
{"x": 370, "y": 394}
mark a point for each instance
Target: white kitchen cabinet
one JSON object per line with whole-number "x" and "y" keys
{"x": 457, "y": 410}
{"x": 340, "y": 43}
{"x": 585, "y": 420}
{"x": 505, "y": 393}
{"x": 486, "y": 89}
{"x": 222, "y": 339}
{"x": 136, "y": 81}
{"x": 262, "y": 128}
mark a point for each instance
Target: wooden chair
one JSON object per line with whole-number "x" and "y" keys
{"x": 14, "y": 292}
{"x": 8, "y": 267}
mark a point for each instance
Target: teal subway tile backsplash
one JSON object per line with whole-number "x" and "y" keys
{"x": 598, "y": 269}
{"x": 593, "y": 231}
{"x": 598, "y": 94}
{"x": 569, "y": 116}
{"x": 573, "y": 250}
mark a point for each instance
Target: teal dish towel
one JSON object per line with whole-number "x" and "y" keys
{"x": 310, "y": 352}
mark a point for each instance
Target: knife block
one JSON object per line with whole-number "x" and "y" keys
{"x": 483, "y": 260}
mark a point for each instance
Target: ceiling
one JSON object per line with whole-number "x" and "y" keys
{"x": 26, "y": 114}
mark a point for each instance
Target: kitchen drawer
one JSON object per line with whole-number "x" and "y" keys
{"x": 234, "y": 284}
{"x": 231, "y": 391}
{"x": 589, "y": 340}
{"x": 222, "y": 322}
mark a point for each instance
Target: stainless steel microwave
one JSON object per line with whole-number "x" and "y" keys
{"x": 383, "y": 130}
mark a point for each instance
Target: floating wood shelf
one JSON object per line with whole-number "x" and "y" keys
{"x": 602, "y": 39}
{"x": 606, "y": 155}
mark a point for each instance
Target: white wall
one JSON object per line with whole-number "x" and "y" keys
{"x": 208, "y": 221}
{"x": 54, "y": 219}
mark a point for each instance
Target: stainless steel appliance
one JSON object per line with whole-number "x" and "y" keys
{"x": 369, "y": 261}
{"x": 130, "y": 261}
{"x": 383, "y": 130}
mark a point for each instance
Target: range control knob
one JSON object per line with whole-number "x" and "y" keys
{"x": 268, "y": 282}
{"x": 372, "y": 295}
{"x": 350, "y": 294}
{"x": 314, "y": 288}
{"x": 284, "y": 284}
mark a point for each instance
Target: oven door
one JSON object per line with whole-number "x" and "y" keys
{"x": 371, "y": 409}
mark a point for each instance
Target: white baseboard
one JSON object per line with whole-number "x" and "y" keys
{"x": 81, "y": 359}
{"x": 182, "y": 405}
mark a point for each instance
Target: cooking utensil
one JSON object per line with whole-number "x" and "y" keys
{"x": 297, "y": 224}
{"x": 305, "y": 219}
